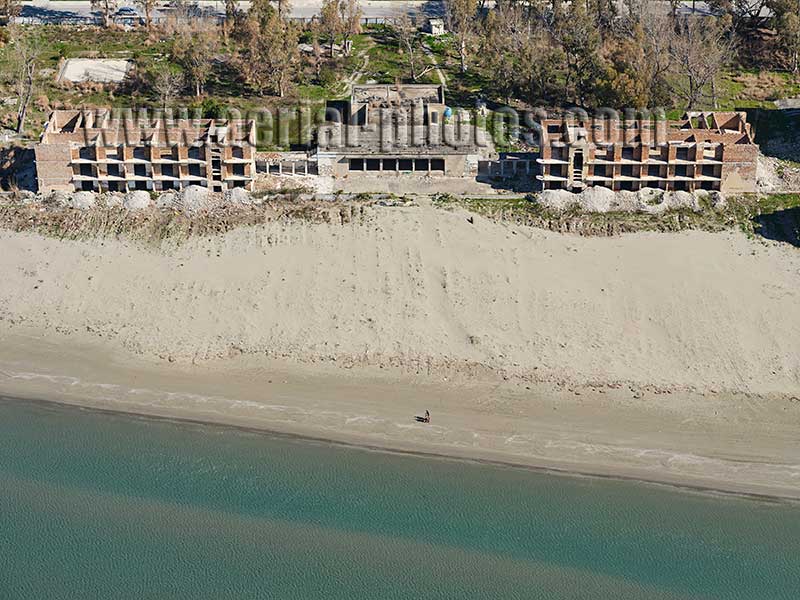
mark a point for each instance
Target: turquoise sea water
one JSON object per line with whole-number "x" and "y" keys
{"x": 96, "y": 506}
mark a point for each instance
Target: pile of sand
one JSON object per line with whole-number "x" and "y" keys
{"x": 427, "y": 289}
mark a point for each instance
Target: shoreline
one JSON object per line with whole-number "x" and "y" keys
{"x": 422, "y": 453}
{"x": 656, "y": 357}
{"x": 555, "y": 432}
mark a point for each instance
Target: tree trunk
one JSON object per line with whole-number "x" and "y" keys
{"x": 411, "y": 65}
{"x": 714, "y": 100}
{"x": 22, "y": 113}
{"x": 692, "y": 96}
{"x": 463, "y": 55}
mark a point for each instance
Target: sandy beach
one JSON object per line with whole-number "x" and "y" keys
{"x": 666, "y": 357}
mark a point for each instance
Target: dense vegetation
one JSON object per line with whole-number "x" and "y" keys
{"x": 641, "y": 53}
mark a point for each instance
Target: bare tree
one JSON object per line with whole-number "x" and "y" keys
{"x": 231, "y": 13}
{"x": 699, "y": 49}
{"x": 518, "y": 53}
{"x": 147, "y": 7}
{"x": 461, "y": 19}
{"x": 194, "y": 48}
{"x": 107, "y": 9}
{"x": 284, "y": 8}
{"x": 167, "y": 84}
{"x": 787, "y": 21}
{"x": 8, "y": 9}
{"x": 658, "y": 29}
{"x": 408, "y": 39}
{"x": 316, "y": 49}
{"x": 745, "y": 14}
{"x": 269, "y": 55}
{"x": 350, "y": 11}
{"x": 27, "y": 52}
{"x": 330, "y": 20}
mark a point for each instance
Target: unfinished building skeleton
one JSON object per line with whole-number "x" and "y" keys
{"x": 398, "y": 130}
{"x": 702, "y": 151}
{"x": 101, "y": 151}
{"x": 386, "y": 135}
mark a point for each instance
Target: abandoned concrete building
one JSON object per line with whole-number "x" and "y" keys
{"x": 702, "y": 151}
{"x": 398, "y": 130}
{"x": 100, "y": 151}
{"x": 398, "y": 138}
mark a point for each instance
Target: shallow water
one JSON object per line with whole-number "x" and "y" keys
{"x": 109, "y": 506}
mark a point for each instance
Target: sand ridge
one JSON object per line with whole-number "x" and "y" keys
{"x": 433, "y": 291}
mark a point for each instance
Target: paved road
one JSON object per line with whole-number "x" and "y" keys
{"x": 55, "y": 11}
{"x": 65, "y": 11}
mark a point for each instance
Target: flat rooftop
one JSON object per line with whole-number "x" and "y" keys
{"x": 393, "y": 94}
{"x": 97, "y": 70}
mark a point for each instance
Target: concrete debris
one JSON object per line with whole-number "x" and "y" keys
{"x": 115, "y": 199}
{"x": 58, "y": 198}
{"x": 83, "y": 200}
{"x": 168, "y": 200}
{"x": 238, "y": 197}
{"x": 137, "y": 200}
{"x": 647, "y": 200}
{"x": 196, "y": 198}
{"x": 559, "y": 200}
{"x": 99, "y": 70}
{"x": 597, "y": 199}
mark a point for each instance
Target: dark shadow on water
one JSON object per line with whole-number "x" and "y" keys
{"x": 780, "y": 226}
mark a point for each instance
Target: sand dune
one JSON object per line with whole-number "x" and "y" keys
{"x": 427, "y": 290}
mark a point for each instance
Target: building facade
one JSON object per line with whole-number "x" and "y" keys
{"x": 100, "y": 151}
{"x": 702, "y": 151}
{"x": 396, "y": 131}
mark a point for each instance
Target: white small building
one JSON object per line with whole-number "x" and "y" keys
{"x": 436, "y": 26}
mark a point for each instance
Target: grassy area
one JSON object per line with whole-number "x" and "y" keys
{"x": 159, "y": 227}
{"x": 387, "y": 64}
{"x": 223, "y": 90}
{"x": 739, "y": 89}
{"x": 752, "y": 91}
{"x": 774, "y": 216}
